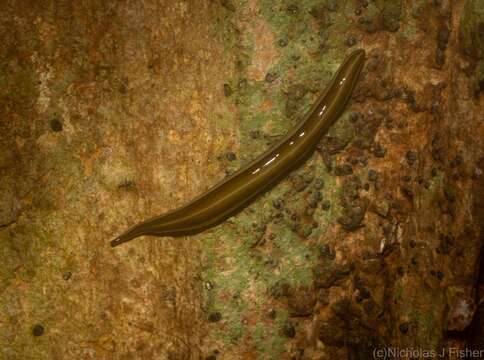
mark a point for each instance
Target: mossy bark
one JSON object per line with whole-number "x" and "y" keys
{"x": 114, "y": 112}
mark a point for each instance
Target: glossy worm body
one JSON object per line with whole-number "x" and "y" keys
{"x": 238, "y": 190}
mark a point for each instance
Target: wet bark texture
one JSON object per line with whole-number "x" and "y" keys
{"x": 112, "y": 112}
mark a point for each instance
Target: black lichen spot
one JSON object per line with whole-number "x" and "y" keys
{"x": 277, "y": 217}
{"x": 227, "y": 90}
{"x": 308, "y": 177}
{"x": 354, "y": 116}
{"x": 354, "y": 208}
{"x": 228, "y": 5}
{"x": 313, "y": 199}
{"x": 353, "y": 216}
{"x": 318, "y": 183}
{"x": 56, "y": 125}
{"x": 423, "y": 182}
{"x": 38, "y": 330}
{"x": 350, "y": 41}
{"x": 363, "y": 294}
{"x": 403, "y": 327}
{"x": 326, "y": 205}
{"x": 446, "y": 243}
{"x": 331, "y": 5}
{"x": 456, "y": 161}
{"x": 411, "y": 157}
{"x": 322, "y": 17}
{"x": 289, "y": 330}
{"x": 407, "y": 191}
{"x": 480, "y": 87}
{"x": 211, "y": 357}
{"x": 312, "y": 203}
{"x": 282, "y": 42}
{"x": 296, "y": 91}
{"x": 271, "y": 76}
{"x": 259, "y": 230}
{"x": 67, "y": 275}
{"x": 363, "y": 160}
{"x": 280, "y": 289}
{"x": 438, "y": 151}
{"x": 254, "y": 134}
{"x": 215, "y": 317}
{"x": 301, "y": 302}
{"x": 278, "y": 203}
{"x": 375, "y": 62}
{"x": 368, "y": 24}
{"x": 352, "y": 160}
{"x": 351, "y": 186}
{"x": 440, "y": 58}
{"x": 294, "y": 226}
{"x": 379, "y": 151}
{"x": 372, "y": 175}
{"x": 127, "y": 185}
{"x": 230, "y": 156}
{"x": 326, "y": 252}
{"x": 343, "y": 170}
{"x": 272, "y": 314}
{"x": 292, "y": 9}
{"x": 409, "y": 96}
{"x": 299, "y": 183}
{"x": 414, "y": 262}
{"x": 294, "y": 217}
{"x": 443, "y": 38}
{"x": 335, "y": 144}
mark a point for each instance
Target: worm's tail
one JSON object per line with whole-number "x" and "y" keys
{"x": 130, "y": 234}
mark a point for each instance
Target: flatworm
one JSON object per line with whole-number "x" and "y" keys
{"x": 238, "y": 190}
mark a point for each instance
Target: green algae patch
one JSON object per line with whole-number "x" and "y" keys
{"x": 268, "y": 339}
{"x": 273, "y": 245}
{"x": 426, "y": 321}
